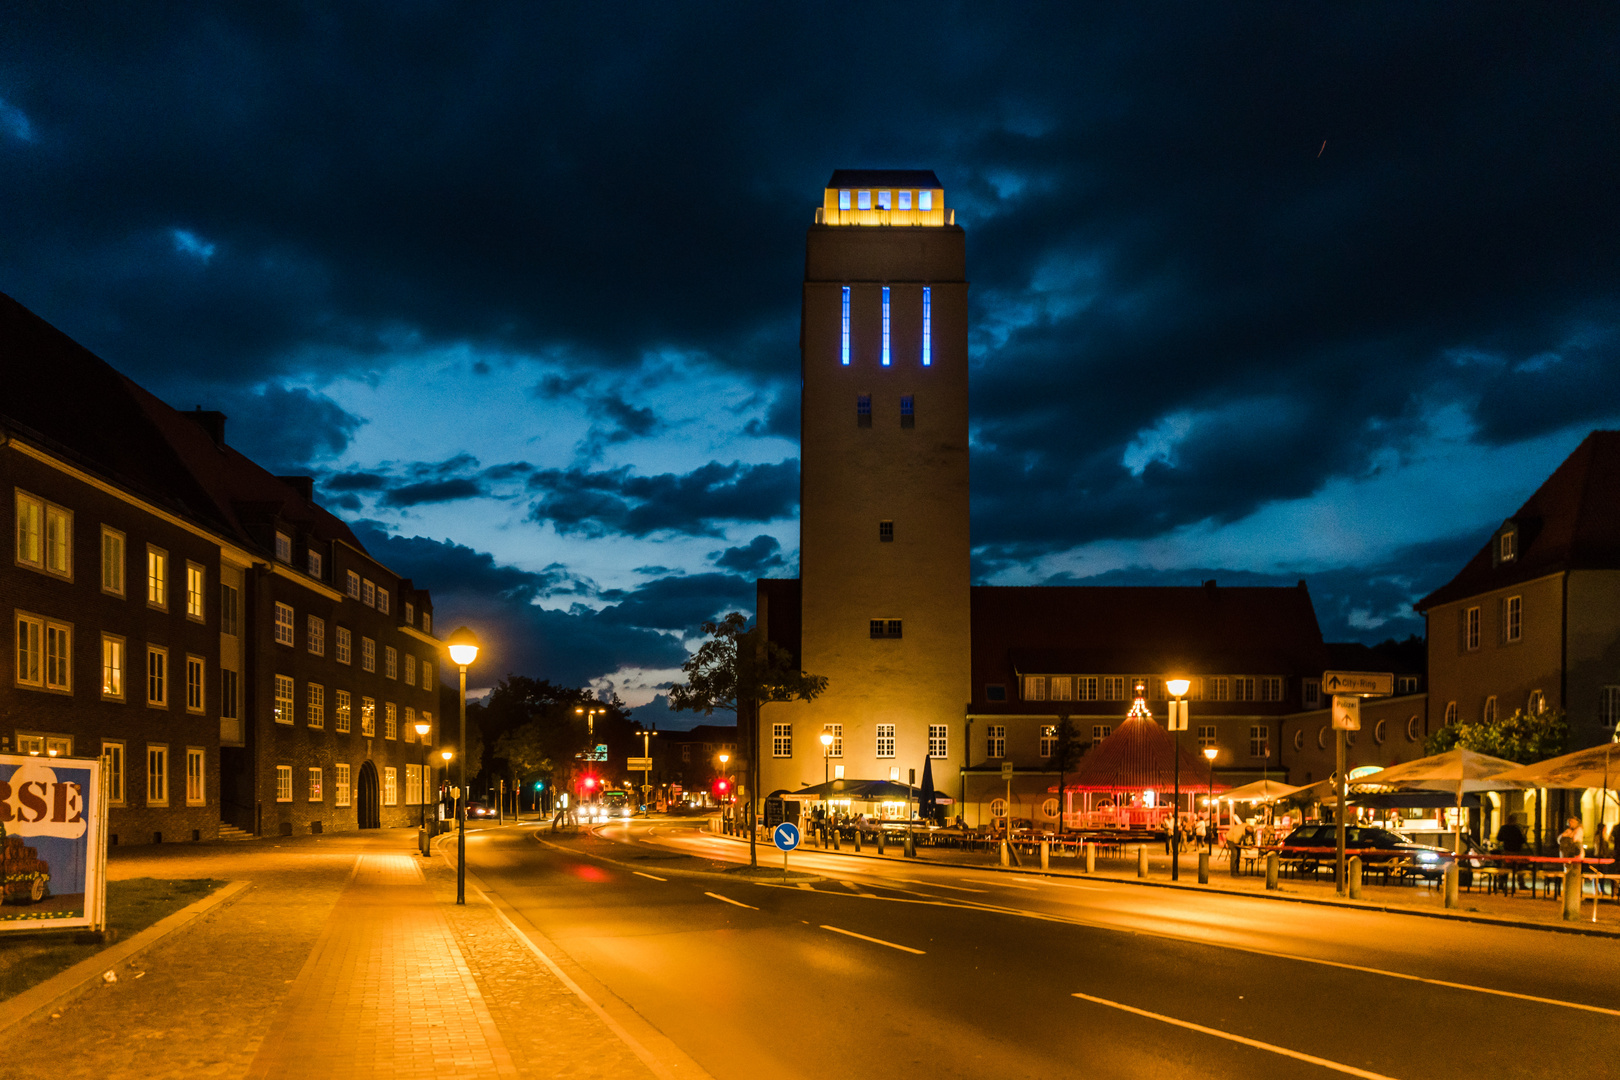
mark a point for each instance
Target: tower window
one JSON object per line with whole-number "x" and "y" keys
{"x": 883, "y": 200}
{"x": 863, "y": 200}
{"x": 928, "y": 326}
{"x": 885, "y": 326}
{"x": 863, "y": 410}
{"x": 886, "y": 531}
{"x": 905, "y": 200}
{"x": 885, "y": 628}
{"x": 844, "y": 341}
{"x": 925, "y": 200}
{"x": 908, "y": 412}
{"x": 843, "y": 200}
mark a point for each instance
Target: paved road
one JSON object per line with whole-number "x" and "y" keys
{"x": 898, "y": 966}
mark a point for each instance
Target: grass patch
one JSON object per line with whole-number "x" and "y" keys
{"x": 29, "y": 959}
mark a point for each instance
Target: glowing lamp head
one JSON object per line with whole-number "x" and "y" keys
{"x": 1178, "y": 687}
{"x": 826, "y": 738}
{"x": 423, "y": 729}
{"x": 447, "y": 754}
{"x": 1210, "y": 752}
{"x": 463, "y": 645}
{"x": 724, "y": 758}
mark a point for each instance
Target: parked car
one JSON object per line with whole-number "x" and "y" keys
{"x": 1376, "y": 845}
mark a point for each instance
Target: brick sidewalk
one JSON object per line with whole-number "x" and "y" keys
{"x": 346, "y": 958}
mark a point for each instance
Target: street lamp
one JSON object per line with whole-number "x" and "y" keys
{"x": 463, "y": 651}
{"x": 1210, "y": 752}
{"x": 446, "y": 755}
{"x": 1178, "y": 724}
{"x": 422, "y": 729}
{"x": 646, "y": 774}
{"x": 826, "y": 757}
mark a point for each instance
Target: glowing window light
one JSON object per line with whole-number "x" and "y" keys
{"x": 845, "y": 346}
{"x": 843, "y": 200}
{"x": 883, "y": 200}
{"x": 905, "y": 200}
{"x": 885, "y": 326}
{"x": 925, "y": 200}
{"x": 928, "y": 326}
{"x": 863, "y": 200}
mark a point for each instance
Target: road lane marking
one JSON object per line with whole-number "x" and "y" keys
{"x": 729, "y": 900}
{"x": 941, "y": 885}
{"x": 874, "y": 940}
{"x": 856, "y": 889}
{"x": 1336, "y": 1066}
{"x": 1003, "y": 884}
{"x": 655, "y": 877}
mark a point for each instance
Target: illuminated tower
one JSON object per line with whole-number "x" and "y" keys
{"x": 884, "y": 490}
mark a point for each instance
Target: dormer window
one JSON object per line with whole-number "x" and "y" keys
{"x": 283, "y": 547}
{"x": 1509, "y": 546}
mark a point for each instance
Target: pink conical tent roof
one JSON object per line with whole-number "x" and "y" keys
{"x": 1138, "y": 757}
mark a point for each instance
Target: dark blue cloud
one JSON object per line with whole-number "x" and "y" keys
{"x": 577, "y": 501}
{"x": 762, "y": 553}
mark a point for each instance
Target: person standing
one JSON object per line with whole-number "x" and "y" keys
{"x": 1572, "y": 841}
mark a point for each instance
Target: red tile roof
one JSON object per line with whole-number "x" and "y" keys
{"x": 1139, "y": 756}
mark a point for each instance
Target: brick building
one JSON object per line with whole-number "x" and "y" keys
{"x": 228, "y": 646}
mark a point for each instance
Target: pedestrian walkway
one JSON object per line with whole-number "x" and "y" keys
{"x": 346, "y": 958}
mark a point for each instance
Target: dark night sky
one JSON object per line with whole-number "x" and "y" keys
{"x": 1259, "y": 292}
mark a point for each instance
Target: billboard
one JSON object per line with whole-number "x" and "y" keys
{"x": 53, "y": 843}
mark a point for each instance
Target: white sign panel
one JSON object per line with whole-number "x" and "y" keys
{"x": 1346, "y": 713}
{"x": 54, "y": 847}
{"x": 1006, "y": 770}
{"x": 1365, "y": 683}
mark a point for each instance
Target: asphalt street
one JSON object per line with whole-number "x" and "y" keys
{"x": 956, "y": 972}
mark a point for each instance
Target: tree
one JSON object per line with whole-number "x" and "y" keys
{"x": 1524, "y": 737}
{"x": 737, "y": 670}
{"x": 1066, "y": 754}
{"x": 535, "y": 728}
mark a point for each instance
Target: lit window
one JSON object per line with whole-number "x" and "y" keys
{"x": 1085, "y": 688}
{"x": 885, "y": 740}
{"x": 352, "y": 584}
{"x": 112, "y": 561}
{"x": 284, "y": 623}
{"x": 342, "y": 712}
{"x": 157, "y": 676}
{"x": 1513, "y": 618}
{"x": 938, "y": 740}
{"x": 908, "y": 411}
{"x": 340, "y": 785}
{"x": 1034, "y": 688}
{"x": 782, "y": 740}
{"x": 413, "y": 785}
{"x": 112, "y": 667}
{"x": 157, "y": 577}
{"x": 836, "y": 748}
{"x": 315, "y": 705}
{"x": 883, "y": 200}
{"x": 843, "y": 200}
{"x": 843, "y": 347}
{"x": 314, "y": 784}
{"x": 196, "y": 789}
{"x": 194, "y": 591}
{"x": 283, "y": 547}
{"x": 928, "y": 327}
{"x": 390, "y": 662}
{"x": 31, "y": 527}
{"x": 315, "y": 633}
{"x": 863, "y": 200}
{"x": 368, "y": 717}
{"x": 343, "y": 645}
{"x": 390, "y": 792}
{"x": 157, "y": 775}
{"x": 925, "y": 200}
{"x": 1048, "y": 742}
{"x": 58, "y": 541}
{"x": 194, "y": 684}
{"x": 113, "y": 754}
{"x": 283, "y": 783}
{"x": 905, "y": 200}
{"x": 314, "y": 564}
{"x": 996, "y": 742}
{"x": 1061, "y": 687}
{"x": 284, "y": 699}
{"x": 390, "y": 720}
{"x": 885, "y": 326}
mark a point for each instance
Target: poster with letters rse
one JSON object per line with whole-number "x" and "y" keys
{"x": 53, "y": 843}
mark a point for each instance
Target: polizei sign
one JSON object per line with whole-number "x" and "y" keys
{"x": 53, "y": 843}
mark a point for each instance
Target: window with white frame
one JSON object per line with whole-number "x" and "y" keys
{"x": 1062, "y": 688}
{"x": 1378, "y": 732}
{"x": 44, "y": 536}
{"x": 410, "y": 670}
{"x": 939, "y": 740}
{"x": 284, "y": 783}
{"x": 284, "y": 699}
{"x": 344, "y": 640}
{"x": 1259, "y": 741}
{"x": 1513, "y": 619}
{"x": 340, "y": 785}
{"x": 1099, "y": 732}
{"x": 390, "y": 720}
{"x": 390, "y": 662}
{"x": 315, "y": 634}
{"x": 1509, "y": 546}
{"x": 196, "y": 581}
{"x": 341, "y": 712}
{"x": 44, "y": 653}
{"x": 1206, "y": 735}
{"x": 1414, "y": 728}
{"x": 194, "y": 684}
{"x": 157, "y": 578}
{"x": 315, "y": 705}
{"x": 284, "y": 623}
{"x": 196, "y": 788}
{"x": 1113, "y": 688}
{"x": 1311, "y": 693}
{"x": 1034, "y": 688}
{"x": 427, "y": 622}
{"x": 368, "y": 592}
{"x": 1271, "y": 688}
{"x": 1536, "y": 703}
{"x": 998, "y": 808}
{"x": 314, "y": 565}
{"x": 157, "y": 676}
{"x": 996, "y": 741}
{"x": 112, "y": 753}
{"x": 368, "y": 717}
{"x": 112, "y": 561}
{"x": 157, "y": 775}
{"x": 409, "y": 730}
{"x": 283, "y": 547}
{"x": 230, "y": 612}
{"x": 410, "y": 613}
{"x": 1488, "y": 714}
{"x": 314, "y": 784}
{"x": 782, "y": 740}
{"x": 368, "y": 654}
{"x": 1406, "y": 684}
{"x": 351, "y": 584}
{"x": 1085, "y": 688}
{"x": 390, "y": 792}
{"x": 1242, "y": 688}
{"x": 885, "y": 740}
{"x": 1048, "y": 740}
{"x": 836, "y": 749}
{"x": 382, "y": 599}
{"x": 413, "y": 785}
{"x": 427, "y": 670}
{"x": 1451, "y": 713}
{"x": 1471, "y": 629}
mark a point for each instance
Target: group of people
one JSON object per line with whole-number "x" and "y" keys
{"x": 1572, "y": 844}
{"x": 1205, "y": 832}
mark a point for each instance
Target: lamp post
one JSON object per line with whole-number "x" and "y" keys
{"x": 723, "y": 759}
{"x": 646, "y": 774}
{"x": 826, "y": 772}
{"x": 1209, "y": 753}
{"x": 463, "y": 650}
{"x": 422, "y": 730}
{"x": 1178, "y": 724}
{"x": 446, "y": 755}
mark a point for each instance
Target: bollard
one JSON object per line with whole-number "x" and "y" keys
{"x": 1203, "y": 868}
{"x": 911, "y": 844}
{"x": 1141, "y": 861}
{"x": 857, "y": 839}
{"x": 880, "y": 841}
{"x": 1271, "y": 870}
{"x": 1091, "y": 857}
{"x": 1353, "y": 874}
{"x": 1452, "y": 875}
{"x": 1046, "y": 855}
{"x": 1006, "y": 852}
{"x": 1572, "y": 892}
{"x": 838, "y": 841}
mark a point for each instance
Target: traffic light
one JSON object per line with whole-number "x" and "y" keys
{"x": 539, "y": 785}
{"x": 721, "y": 787}
{"x": 590, "y": 783}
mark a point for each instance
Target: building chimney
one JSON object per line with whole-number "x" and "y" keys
{"x": 304, "y": 485}
{"x": 212, "y": 422}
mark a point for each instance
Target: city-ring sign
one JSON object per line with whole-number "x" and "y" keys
{"x": 786, "y": 836}
{"x": 1364, "y": 683}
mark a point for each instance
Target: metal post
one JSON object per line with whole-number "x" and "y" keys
{"x": 1342, "y": 789}
{"x": 1203, "y": 868}
{"x": 1091, "y": 857}
{"x": 1141, "y": 861}
{"x": 1271, "y": 870}
{"x": 1175, "y": 808}
{"x": 461, "y": 801}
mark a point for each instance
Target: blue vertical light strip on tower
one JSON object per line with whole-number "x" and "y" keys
{"x": 928, "y": 327}
{"x": 845, "y": 353}
{"x": 885, "y": 326}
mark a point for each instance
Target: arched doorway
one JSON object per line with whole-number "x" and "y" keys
{"x": 366, "y": 798}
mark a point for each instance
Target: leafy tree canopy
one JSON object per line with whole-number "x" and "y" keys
{"x": 738, "y": 664}
{"x": 1524, "y": 737}
{"x": 535, "y": 727}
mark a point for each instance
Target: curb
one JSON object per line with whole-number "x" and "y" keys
{"x": 1350, "y": 905}
{"x": 65, "y": 986}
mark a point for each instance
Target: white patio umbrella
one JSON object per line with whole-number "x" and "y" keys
{"x": 1261, "y": 791}
{"x": 1458, "y": 771}
{"x": 1595, "y": 767}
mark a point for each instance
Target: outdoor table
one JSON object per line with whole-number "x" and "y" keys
{"x": 1538, "y": 864}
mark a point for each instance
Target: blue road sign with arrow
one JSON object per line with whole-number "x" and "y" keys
{"x": 786, "y": 836}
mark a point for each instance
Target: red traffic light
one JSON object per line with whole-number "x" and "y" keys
{"x": 720, "y": 786}
{"x": 590, "y": 782}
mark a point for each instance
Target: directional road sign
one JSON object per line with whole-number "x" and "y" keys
{"x": 786, "y": 836}
{"x": 1346, "y": 712}
{"x": 1006, "y": 770}
{"x": 638, "y": 764}
{"x": 1363, "y": 683}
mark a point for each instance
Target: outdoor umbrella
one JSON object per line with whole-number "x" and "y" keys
{"x": 1595, "y": 767}
{"x": 1455, "y": 772}
{"x": 1262, "y": 791}
{"x": 925, "y": 805}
